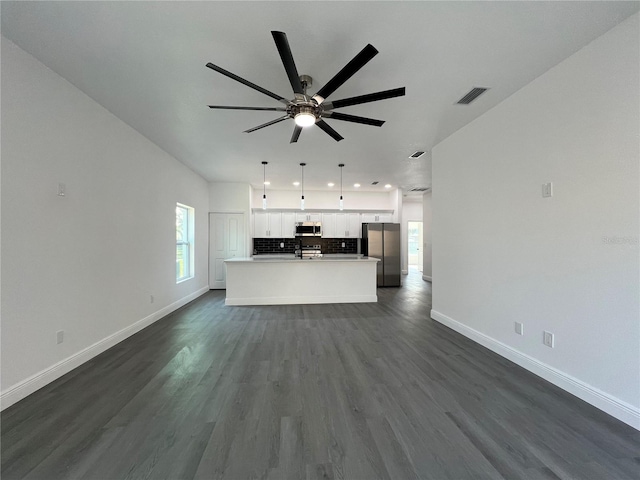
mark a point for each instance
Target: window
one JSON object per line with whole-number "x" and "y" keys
{"x": 184, "y": 242}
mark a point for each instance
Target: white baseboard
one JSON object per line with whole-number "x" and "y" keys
{"x": 301, "y": 300}
{"x": 426, "y": 278}
{"x": 35, "y": 382}
{"x": 615, "y": 407}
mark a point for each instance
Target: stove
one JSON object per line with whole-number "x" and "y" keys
{"x": 309, "y": 251}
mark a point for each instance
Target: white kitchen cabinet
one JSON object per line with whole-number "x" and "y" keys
{"x": 275, "y": 224}
{"x": 329, "y": 225}
{"x": 288, "y": 225}
{"x": 267, "y": 225}
{"x": 341, "y": 225}
{"x": 308, "y": 217}
{"x": 377, "y": 218}
{"x": 260, "y": 224}
{"x": 354, "y": 225}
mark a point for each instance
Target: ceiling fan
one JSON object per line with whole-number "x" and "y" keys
{"x": 308, "y": 110}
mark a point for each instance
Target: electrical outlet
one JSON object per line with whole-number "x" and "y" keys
{"x": 343, "y": 244}
{"x": 151, "y": 299}
{"x": 59, "y": 336}
{"x": 519, "y": 328}
{"x": 547, "y": 189}
{"x": 62, "y": 189}
{"x": 281, "y": 244}
{"x": 547, "y": 339}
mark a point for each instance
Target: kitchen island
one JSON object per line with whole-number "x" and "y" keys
{"x": 284, "y": 281}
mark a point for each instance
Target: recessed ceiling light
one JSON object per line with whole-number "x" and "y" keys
{"x": 330, "y": 184}
{"x": 296, "y": 183}
{"x": 356, "y": 185}
{"x": 267, "y": 183}
{"x": 387, "y": 186}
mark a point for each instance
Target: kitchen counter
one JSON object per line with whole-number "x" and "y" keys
{"x": 339, "y": 257}
{"x": 283, "y": 280}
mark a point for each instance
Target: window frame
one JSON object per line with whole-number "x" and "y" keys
{"x": 188, "y": 242}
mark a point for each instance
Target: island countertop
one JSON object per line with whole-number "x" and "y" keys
{"x": 284, "y": 258}
{"x": 286, "y": 279}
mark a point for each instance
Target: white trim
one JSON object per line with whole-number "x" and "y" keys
{"x": 35, "y": 382}
{"x": 426, "y": 278}
{"x": 405, "y": 272}
{"x": 301, "y": 300}
{"x": 615, "y": 407}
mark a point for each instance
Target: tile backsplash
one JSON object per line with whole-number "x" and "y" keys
{"x": 263, "y": 246}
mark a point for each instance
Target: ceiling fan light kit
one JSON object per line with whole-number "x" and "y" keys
{"x": 305, "y": 110}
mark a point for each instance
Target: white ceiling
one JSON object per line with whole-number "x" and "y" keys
{"x": 145, "y": 62}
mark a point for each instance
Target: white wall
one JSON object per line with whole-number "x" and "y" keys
{"x": 502, "y": 253}
{"x": 411, "y": 212}
{"x": 427, "y": 242}
{"x": 230, "y": 197}
{"x": 86, "y": 263}
{"x": 326, "y": 200}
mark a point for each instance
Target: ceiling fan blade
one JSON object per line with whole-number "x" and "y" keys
{"x": 353, "y": 118}
{"x": 359, "y": 61}
{"x": 282, "y": 44}
{"x": 266, "y": 124}
{"x": 371, "y": 97}
{"x": 330, "y": 131}
{"x": 229, "y": 107}
{"x": 296, "y": 134}
{"x": 235, "y": 77}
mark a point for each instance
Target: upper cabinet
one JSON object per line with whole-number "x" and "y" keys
{"x": 267, "y": 225}
{"x": 348, "y": 225}
{"x": 288, "y": 225}
{"x": 341, "y": 225}
{"x": 308, "y": 217}
{"x": 329, "y": 225}
{"x": 377, "y": 218}
{"x": 272, "y": 224}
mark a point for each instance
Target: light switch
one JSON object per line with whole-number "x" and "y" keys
{"x": 61, "y": 189}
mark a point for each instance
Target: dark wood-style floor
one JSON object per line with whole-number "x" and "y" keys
{"x": 359, "y": 391}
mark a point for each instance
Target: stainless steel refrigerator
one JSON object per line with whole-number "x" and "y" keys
{"x": 382, "y": 240}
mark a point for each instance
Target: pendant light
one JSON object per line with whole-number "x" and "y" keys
{"x": 341, "y": 165}
{"x": 264, "y": 185}
{"x": 302, "y": 186}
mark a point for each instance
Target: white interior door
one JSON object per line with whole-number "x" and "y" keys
{"x": 414, "y": 249}
{"x": 226, "y": 240}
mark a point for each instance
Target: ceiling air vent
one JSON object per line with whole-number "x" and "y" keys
{"x": 416, "y": 154}
{"x": 419, "y": 189}
{"x": 474, "y": 93}
{"x": 375, "y": 183}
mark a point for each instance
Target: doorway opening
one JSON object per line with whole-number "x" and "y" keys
{"x": 414, "y": 247}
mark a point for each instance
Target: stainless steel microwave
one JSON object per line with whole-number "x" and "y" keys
{"x": 308, "y": 229}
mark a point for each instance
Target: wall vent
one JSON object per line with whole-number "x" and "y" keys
{"x": 416, "y": 154}
{"x": 474, "y": 93}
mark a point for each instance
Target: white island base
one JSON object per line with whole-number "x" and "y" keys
{"x": 272, "y": 281}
